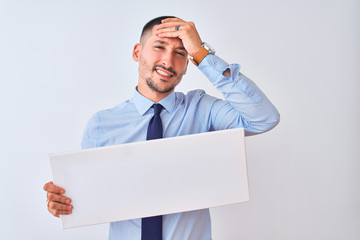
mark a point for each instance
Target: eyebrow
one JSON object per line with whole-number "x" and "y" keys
{"x": 166, "y": 43}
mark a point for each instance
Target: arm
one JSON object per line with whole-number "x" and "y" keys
{"x": 245, "y": 106}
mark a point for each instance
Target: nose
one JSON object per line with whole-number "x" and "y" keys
{"x": 168, "y": 59}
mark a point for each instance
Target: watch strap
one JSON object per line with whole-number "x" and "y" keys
{"x": 199, "y": 55}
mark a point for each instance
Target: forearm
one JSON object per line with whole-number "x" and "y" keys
{"x": 247, "y": 106}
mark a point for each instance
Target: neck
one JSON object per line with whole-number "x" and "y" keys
{"x": 151, "y": 94}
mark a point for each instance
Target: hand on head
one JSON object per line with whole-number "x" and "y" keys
{"x": 186, "y": 31}
{"x": 57, "y": 204}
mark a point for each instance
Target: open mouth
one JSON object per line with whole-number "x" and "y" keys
{"x": 164, "y": 73}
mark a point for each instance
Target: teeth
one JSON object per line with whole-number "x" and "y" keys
{"x": 163, "y": 73}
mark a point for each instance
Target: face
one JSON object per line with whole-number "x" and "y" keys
{"x": 162, "y": 63}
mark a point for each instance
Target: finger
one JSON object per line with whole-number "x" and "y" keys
{"x": 173, "y": 27}
{"x": 57, "y": 213}
{"x": 59, "y": 206}
{"x": 171, "y": 31}
{"x": 171, "y": 20}
{"x": 51, "y": 187}
{"x": 58, "y": 209}
{"x": 58, "y": 198}
{"x": 167, "y": 30}
{"x": 169, "y": 25}
{"x": 173, "y": 34}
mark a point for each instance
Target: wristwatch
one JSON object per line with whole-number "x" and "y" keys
{"x": 202, "y": 53}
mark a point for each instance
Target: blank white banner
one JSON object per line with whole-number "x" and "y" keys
{"x": 151, "y": 178}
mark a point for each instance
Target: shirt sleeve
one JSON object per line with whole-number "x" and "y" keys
{"x": 91, "y": 133}
{"x": 245, "y": 104}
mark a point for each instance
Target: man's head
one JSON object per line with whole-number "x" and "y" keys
{"x": 162, "y": 62}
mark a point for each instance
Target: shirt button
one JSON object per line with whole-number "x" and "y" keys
{"x": 236, "y": 79}
{"x": 214, "y": 63}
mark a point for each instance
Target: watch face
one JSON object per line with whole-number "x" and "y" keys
{"x": 209, "y": 48}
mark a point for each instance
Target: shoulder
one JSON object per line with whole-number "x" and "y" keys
{"x": 191, "y": 95}
{"x": 116, "y": 111}
{"x": 105, "y": 115}
{"x": 194, "y": 96}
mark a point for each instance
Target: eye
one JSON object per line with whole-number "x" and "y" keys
{"x": 158, "y": 47}
{"x": 180, "y": 53}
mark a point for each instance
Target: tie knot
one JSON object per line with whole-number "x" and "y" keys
{"x": 157, "y": 108}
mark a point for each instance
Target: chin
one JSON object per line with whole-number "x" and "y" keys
{"x": 158, "y": 88}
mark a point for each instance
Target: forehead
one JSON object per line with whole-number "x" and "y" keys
{"x": 150, "y": 38}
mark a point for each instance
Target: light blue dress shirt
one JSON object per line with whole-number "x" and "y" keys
{"x": 245, "y": 106}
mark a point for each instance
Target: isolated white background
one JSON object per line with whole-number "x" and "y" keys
{"x": 61, "y": 61}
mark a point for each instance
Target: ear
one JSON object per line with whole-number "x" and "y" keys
{"x": 136, "y": 52}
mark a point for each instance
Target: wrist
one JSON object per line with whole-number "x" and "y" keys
{"x": 193, "y": 53}
{"x": 202, "y": 53}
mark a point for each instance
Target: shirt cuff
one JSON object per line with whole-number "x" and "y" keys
{"x": 213, "y": 67}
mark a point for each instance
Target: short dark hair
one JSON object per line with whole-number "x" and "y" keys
{"x": 152, "y": 23}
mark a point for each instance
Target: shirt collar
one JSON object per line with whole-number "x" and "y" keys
{"x": 143, "y": 104}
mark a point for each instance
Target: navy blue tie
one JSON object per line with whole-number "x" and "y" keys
{"x": 151, "y": 227}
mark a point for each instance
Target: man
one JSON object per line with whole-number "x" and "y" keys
{"x": 162, "y": 54}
